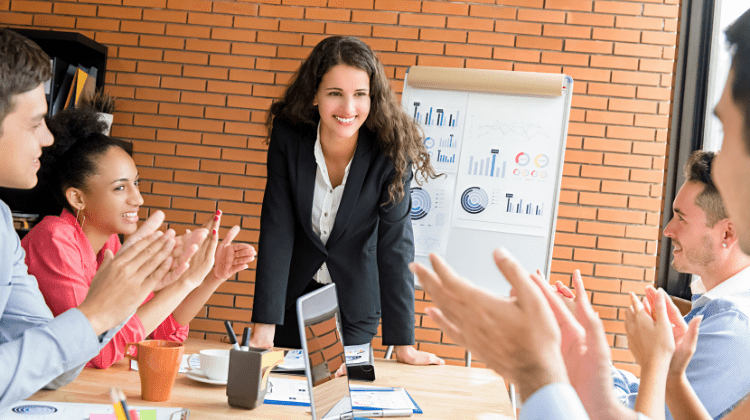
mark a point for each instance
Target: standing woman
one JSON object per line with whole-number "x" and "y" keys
{"x": 95, "y": 180}
{"x": 336, "y": 206}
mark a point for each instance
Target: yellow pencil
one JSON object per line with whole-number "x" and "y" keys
{"x": 119, "y": 411}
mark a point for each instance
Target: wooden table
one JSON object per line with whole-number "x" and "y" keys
{"x": 443, "y": 392}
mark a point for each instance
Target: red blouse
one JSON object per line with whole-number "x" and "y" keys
{"x": 61, "y": 258}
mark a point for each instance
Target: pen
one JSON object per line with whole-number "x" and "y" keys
{"x": 232, "y": 337}
{"x": 396, "y": 412}
{"x": 246, "y": 339}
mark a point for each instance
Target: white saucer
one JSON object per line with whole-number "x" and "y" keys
{"x": 200, "y": 378}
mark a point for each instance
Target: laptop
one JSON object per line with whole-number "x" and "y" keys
{"x": 323, "y": 352}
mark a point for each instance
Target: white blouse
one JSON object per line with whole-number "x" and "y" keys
{"x": 326, "y": 201}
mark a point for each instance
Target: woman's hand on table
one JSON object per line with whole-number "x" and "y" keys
{"x": 412, "y": 356}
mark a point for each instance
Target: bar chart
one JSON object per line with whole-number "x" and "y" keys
{"x": 489, "y": 166}
{"x": 519, "y": 206}
{"x": 430, "y": 116}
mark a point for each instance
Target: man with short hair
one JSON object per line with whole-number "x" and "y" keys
{"x": 37, "y": 350}
{"x": 516, "y": 337}
{"x": 706, "y": 244}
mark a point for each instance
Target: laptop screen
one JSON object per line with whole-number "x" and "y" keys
{"x": 323, "y": 350}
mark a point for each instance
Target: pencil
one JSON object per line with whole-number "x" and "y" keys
{"x": 124, "y": 404}
{"x": 120, "y": 413}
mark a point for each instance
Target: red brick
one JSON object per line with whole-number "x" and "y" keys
{"x": 203, "y": 98}
{"x": 586, "y": 129}
{"x": 606, "y": 117}
{"x": 648, "y": 261}
{"x": 399, "y": 5}
{"x": 336, "y": 28}
{"x": 470, "y": 23}
{"x": 73, "y": 9}
{"x": 538, "y": 43}
{"x": 602, "y": 200}
{"x": 643, "y": 232}
{"x": 580, "y": 184}
{"x": 256, "y": 23}
{"x": 478, "y": 51}
{"x": 597, "y": 256}
{"x": 31, "y": 6}
{"x": 395, "y": 32}
{"x": 660, "y": 38}
{"x": 614, "y": 62}
{"x": 588, "y": 102}
{"x": 206, "y": 72}
{"x": 666, "y": 11}
{"x": 579, "y": 5}
{"x": 633, "y": 22}
{"x": 472, "y": 63}
{"x": 366, "y": 16}
{"x": 329, "y": 14}
{"x": 495, "y": 12}
{"x": 159, "y": 15}
{"x": 188, "y": 31}
{"x": 235, "y": 8}
{"x": 638, "y": 50}
{"x": 49, "y": 21}
{"x": 181, "y": 110}
{"x": 601, "y": 229}
{"x": 587, "y": 46}
{"x": 608, "y": 89}
{"x": 647, "y": 175}
{"x": 185, "y": 57}
{"x": 590, "y": 19}
{"x": 619, "y": 272}
{"x": 549, "y": 57}
{"x": 617, "y": 7}
{"x": 623, "y": 35}
{"x": 635, "y": 78}
{"x": 631, "y": 188}
{"x": 575, "y": 240}
{"x": 433, "y": 21}
{"x": 576, "y": 212}
{"x": 644, "y": 203}
{"x": 607, "y": 145}
{"x": 567, "y": 31}
{"x": 619, "y": 244}
{"x": 515, "y": 27}
{"x": 661, "y": 94}
{"x": 548, "y": 16}
{"x": 444, "y": 8}
{"x": 662, "y": 66}
{"x": 648, "y": 148}
{"x": 516, "y": 54}
{"x": 351, "y": 4}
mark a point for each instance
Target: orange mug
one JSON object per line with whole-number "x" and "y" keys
{"x": 158, "y": 363}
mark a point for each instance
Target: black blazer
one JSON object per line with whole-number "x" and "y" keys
{"x": 370, "y": 245}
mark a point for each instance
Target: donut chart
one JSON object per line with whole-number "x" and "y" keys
{"x": 420, "y": 203}
{"x": 474, "y": 200}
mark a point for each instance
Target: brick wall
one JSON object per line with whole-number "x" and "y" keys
{"x": 194, "y": 79}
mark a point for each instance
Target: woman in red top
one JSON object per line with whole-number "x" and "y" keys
{"x": 95, "y": 180}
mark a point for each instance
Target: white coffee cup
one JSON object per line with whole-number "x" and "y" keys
{"x": 214, "y": 364}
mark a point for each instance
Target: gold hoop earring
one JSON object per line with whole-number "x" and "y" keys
{"x": 78, "y": 213}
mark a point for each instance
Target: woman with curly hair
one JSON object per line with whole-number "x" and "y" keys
{"x": 336, "y": 205}
{"x": 95, "y": 183}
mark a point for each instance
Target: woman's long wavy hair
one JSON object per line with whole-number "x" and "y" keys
{"x": 399, "y": 137}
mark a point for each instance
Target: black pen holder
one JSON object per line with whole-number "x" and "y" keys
{"x": 248, "y": 375}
